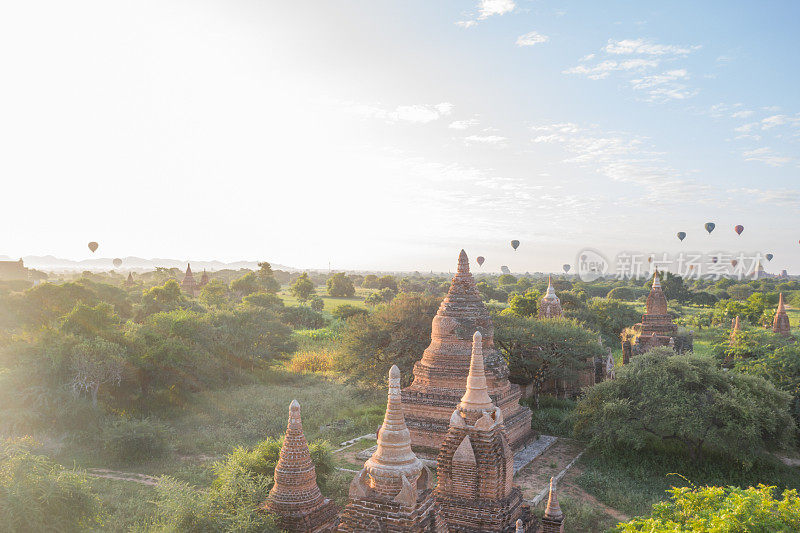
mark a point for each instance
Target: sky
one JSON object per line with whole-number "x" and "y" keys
{"x": 389, "y": 135}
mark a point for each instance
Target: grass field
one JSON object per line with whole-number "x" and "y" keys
{"x": 331, "y": 302}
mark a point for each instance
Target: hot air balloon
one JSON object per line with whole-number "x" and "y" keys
{"x": 117, "y": 262}
{"x": 515, "y": 244}
{"x": 710, "y": 227}
{"x": 566, "y": 268}
{"x": 734, "y": 262}
{"x": 714, "y": 259}
{"x": 738, "y": 229}
{"x": 681, "y": 235}
{"x": 93, "y": 246}
{"x": 480, "y": 260}
{"x": 769, "y": 257}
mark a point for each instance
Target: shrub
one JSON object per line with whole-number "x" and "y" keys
{"x": 301, "y": 317}
{"x": 131, "y": 440}
{"x": 39, "y": 495}
{"x": 312, "y": 361}
{"x": 345, "y": 311}
{"x": 723, "y": 509}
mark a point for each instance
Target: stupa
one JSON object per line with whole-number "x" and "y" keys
{"x": 203, "y": 279}
{"x": 129, "y": 282}
{"x": 393, "y": 492}
{"x": 189, "y": 285}
{"x": 550, "y": 305}
{"x": 441, "y": 374}
{"x": 553, "y": 519}
{"x": 736, "y": 327}
{"x": 656, "y": 328}
{"x": 475, "y": 470}
{"x": 780, "y": 323}
{"x": 295, "y": 498}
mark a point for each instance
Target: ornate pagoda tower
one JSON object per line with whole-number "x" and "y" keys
{"x": 736, "y": 327}
{"x": 393, "y": 492}
{"x": 440, "y": 376}
{"x": 656, "y": 328}
{"x": 553, "y": 519}
{"x": 780, "y": 324}
{"x": 550, "y": 305}
{"x": 129, "y": 282}
{"x": 475, "y": 470}
{"x": 189, "y": 285}
{"x": 295, "y": 498}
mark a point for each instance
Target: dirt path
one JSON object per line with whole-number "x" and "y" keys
{"x": 123, "y": 476}
{"x": 535, "y": 477}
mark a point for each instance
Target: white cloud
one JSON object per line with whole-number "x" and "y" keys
{"x": 604, "y": 68}
{"x": 466, "y": 23}
{"x": 488, "y": 8}
{"x": 415, "y": 113}
{"x": 779, "y": 120}
{"x": 463, "y": 124}
{"x": 485, "y": 139}
{"x": 531, "y": 38}
{"x": 767, "y": 156}
{"x": 781, "y": 197}
{"x": 643, "y": 47}
{"x": 742, "y": 114}
{"x": 665, "y": 86}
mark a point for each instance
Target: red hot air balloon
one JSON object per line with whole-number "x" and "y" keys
{"x": 739, "y": 229}
{"x": 515, "y": 244}
{"x": 480, "y": 260}
{"x": 93, "y": 246}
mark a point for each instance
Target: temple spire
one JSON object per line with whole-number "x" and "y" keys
{"x": 553, "y": 510}
{"x": 463, "y": 262}
{"x": 476, "y": 397}
{"x": 393, "y": 459}
{"x": 781, "y": 306}
{"x": 656, "y": 280}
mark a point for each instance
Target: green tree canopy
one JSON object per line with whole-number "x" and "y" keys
{"x": 340, "y": 286}
{"x": 302, "y": 288}
{"x": 661, "y": 398}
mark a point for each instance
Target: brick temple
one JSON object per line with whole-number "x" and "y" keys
{"x": 656, "y": 328}
{"x": 553, "y": 519}
{"x": 189, "y": 284}
{"x": 394, "y": 491}
{"x": 780, "y": 323}
{"x": 550, "y": 305}
{"x": 295, "y": 497}
{"x": 475, "y": 470}
{"x": 440, "y": 376}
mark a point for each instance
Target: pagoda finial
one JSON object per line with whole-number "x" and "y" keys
{"x": 188, "y": 268}
{"x": 463, "y": 262}
{"x": 520, "y": 527}
{"x": 656, "y": 280}
{"x": 476, "y": 397}
{"x": 781, "y": 306}
{"x": 393, "y": 457}
{"x": 553, "y": 510}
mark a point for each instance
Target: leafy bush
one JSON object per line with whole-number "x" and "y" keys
{"x": 722, "y": 509}
{"x": 345, "y": 311}
{"x": 686, "y": 401}
{"x": 131, "y": 440}
{"x": 39, "y": 495}
{"x": 301, "y": 317}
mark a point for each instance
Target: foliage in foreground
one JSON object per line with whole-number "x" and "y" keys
{"x": 39, "y": 495}
{"x": 721, "y": 510}
{"x": 687, "y": 401}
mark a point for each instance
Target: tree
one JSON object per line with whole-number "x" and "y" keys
{"x": 609, "y": 317}
{"x": 538, "y": 351}
{"x": 340, "y": 286}
{"x": 97, "y": 321}
{"x": 387, "y": 282}
{"x": 214, "y": 293}
{"x": 302, "y": 288}
{"x": 345, "y": 311}
{"x": 395, "y": 333}
{"x": 247, "y": 284}
{"x": 506, "y": 279}
{"x": 674, "y": 288}
{"x": 267, "y": 278}
{"x": 721, "y": 509}
{"x": 525, "y": 305}
{"x": 264, "y": 300}
{"x": 316, "y": 303}
{"x": 158, "y": 299}
{"x": 370, "y": 282}
{"x": 96, "y": 363}
{"x": 382, "y": 296}
{"x": 661, "y": 398}
{"x": 704, "y": 299}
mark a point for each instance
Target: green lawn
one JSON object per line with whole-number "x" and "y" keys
{"x": 331, "y": 303}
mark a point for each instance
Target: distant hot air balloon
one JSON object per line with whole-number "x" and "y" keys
{"x": 681, "y": 235}
{"x": 738, "y": 229}
{"x": 117, "y": 262}
{"x": 710, "y": 227}
{"x": 93, "y": 246}
{"x": 515, "y": 244}
{"x": 714, "y": 259}
{"x": 480, "y": 260}
{"x": 769, "y": 257}
{"x": 734, "y": 262}
{"x": 566, "y": 268}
